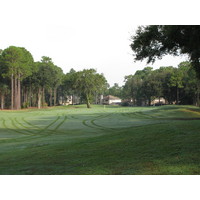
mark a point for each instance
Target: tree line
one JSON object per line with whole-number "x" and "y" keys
{"x": 176, "y": 85}
{"x": 180, "y": 85}
{"x": 25, "y": 83}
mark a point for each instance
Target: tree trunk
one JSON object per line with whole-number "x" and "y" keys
{"x": 30, "y": 96}
{"x": 72, "y": 99}
{"x": 50, "y": 101}
{"x": 2, "y": 101}
{"x": 43, "y": 98}
{"x": 15, "y": 93}
{"x": 27, "y": 99}
{"x": 34, "y": 100}
{"x": 19, "y": 93}
{"x": 88, "y": 102}
{"x": 12, "y": 93}
{"x": 54, "y": 96}
{"x": 24, "y": 97}
{"x": 39, "y": 98}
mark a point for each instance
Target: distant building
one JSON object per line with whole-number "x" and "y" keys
{"x": 69, "y": 100}
{"x": 159, "y": 101}
{"x": 111, "y": 100}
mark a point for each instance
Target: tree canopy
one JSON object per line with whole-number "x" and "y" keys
{"x": 16, "y": 63}
{"x": 25, "y": 83}
{"x": 176, "y": 85}
{"x": 88, "y": 82}
{"x": 154, "y": 41}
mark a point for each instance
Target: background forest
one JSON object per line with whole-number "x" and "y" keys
{"x": 25, "y": 83}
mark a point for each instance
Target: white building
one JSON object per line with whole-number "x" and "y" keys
{"x": 111, "y": 100}
{"x": 69, "y": 100}
{"x": 159, "y": 101}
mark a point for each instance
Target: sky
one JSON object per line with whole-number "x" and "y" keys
{"x": 84, "y": 34}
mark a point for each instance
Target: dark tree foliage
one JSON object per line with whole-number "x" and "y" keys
{"x": 176, "y": 85}
{"x": 88, "y": 82}
{"x": 154, "y": 41}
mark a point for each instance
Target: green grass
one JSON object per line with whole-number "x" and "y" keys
{"x": 110, "y": 140}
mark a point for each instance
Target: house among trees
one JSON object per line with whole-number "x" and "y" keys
{"x": 69, "y": 100}
{"x": 108, "y": 100}
{"x": 159, "y": 101}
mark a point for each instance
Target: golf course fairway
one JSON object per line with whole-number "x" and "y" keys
{"x": 101, "y": 140}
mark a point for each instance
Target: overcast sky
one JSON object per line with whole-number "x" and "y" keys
{"x": 84, "y": 33}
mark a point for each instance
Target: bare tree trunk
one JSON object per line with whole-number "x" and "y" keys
{"x": 43, "y": 98}
{"x": 19, "y": 93}
{"x": 15, "y": 93}
{"x": 39, "y": 98}
{"x": 23, "y": 96}
{"x": 12, "y": 93}
{"x": 2, "y": 101}
{"x": 30, "y": 95}
{"x": 34, "y": 99}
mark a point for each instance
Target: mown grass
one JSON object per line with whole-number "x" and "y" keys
{"x": 101, "y": 140}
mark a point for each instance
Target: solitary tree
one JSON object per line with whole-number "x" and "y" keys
{"x": 88, "y": 82}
